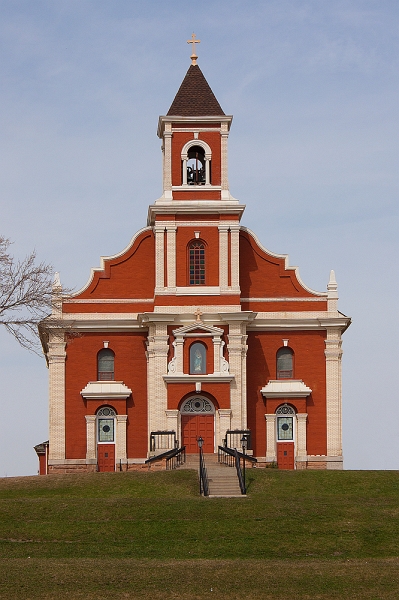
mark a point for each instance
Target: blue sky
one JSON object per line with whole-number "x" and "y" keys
{"x": 313, "y": 153}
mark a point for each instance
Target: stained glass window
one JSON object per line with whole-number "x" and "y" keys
{"x": 105, "y": 365}
{"x": 285, "y": 429}
{"x": 285, "y": 363}
{"x": 197, "y": 263}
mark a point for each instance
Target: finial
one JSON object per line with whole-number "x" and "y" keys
{"x": 193, "y": 41}
{"x": 56, "y": 281}
{"x": 198, "y": 313}
{"x": 332, "y": 284}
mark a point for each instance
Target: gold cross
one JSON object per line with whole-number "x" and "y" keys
{"x": 198, "y": 313}
{"x": 193, "y": 41}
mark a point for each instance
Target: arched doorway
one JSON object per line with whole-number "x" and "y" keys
{"x": 285, "y": 422}
{"x": 198, "y": 420}
{"x": 106, "y": 417}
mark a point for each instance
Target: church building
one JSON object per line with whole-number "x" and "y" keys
{"x": 195, "y": 329}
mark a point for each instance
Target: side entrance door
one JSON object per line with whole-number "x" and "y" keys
{"x": 195, "y": 426}
{"x": 106, "y": 457}
{"x": 285, "y": 455}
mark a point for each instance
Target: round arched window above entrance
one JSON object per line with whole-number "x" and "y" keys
{"x": 197, "y": 404}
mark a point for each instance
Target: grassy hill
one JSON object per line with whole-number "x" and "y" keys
{"x": 303, "y": 534}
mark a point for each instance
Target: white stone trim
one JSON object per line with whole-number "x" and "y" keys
{"x": 271, "y": 455}
{"x": 102, "y": 390}
{"x": 223, "y": 257}
{"x": 333, "y": 353}
{"x": 185, "y": 378}
{"x": 159, "y": 258}
{"x": 171, "y": 255}
{"x": 286, "y": 299}
{"x": 56, "y": 356}
{"x": 285, "y": 388}
{"x": 301, "y": 436}
{"x": 91, "y": 449}
{"x": 120, "y": 441}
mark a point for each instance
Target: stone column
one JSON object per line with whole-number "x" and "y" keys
{"x": 301, "y": 451}
{"x": 56, "y": 360}
{"x": 223, "y": 257}
{"x": 333, "y": 354}
{"x": 91, "y": 450}
{"x": 271, "y": 455}
{"x": 171, "y": 256}
{"x": 120, "y": 450}
{"x": 159, "y": 258}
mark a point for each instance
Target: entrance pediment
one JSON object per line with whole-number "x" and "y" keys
{"x": 198, "y": 328}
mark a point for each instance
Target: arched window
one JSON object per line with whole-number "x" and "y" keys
{"x": 105, "y": 365}
{"x": 106, "y": 424}
{"x": 196, "y": 163}
{"x": 197, "y": 359}
{"x": 196, "y": 261}
{"x": 285, "y": 363}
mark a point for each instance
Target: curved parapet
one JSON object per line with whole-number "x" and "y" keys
{"x": 132, "y": 271}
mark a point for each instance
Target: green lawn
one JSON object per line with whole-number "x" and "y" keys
{"x": 303, "y": 534}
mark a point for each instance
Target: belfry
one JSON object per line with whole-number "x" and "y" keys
{"x": 194, "y": 329}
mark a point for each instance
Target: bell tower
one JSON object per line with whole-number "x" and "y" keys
{"x": 196, "y": 217}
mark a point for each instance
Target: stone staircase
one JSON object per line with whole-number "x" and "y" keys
{"x": 223, "y": 480}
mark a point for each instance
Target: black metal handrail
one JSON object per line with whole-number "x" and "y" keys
{"x": 159, "y": 456}
{"x": 203, "y": 475}
{"x": 177, "y": 458}
{"x": 232, "y": 458}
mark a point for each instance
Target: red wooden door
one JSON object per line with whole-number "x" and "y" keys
{"x": 195, "y": 426}
{"x": 106, "y": 457}
{"x": 285, "y": 455}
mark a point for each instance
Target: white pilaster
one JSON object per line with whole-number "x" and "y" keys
{"x": 301, "y": 451}
{"x": 224, "y": 167}
{"x": 167, "y": 170}
{"x": 91, "y": 453}
{"x": 159, "y": 258}
{"x": 271, "y": 438}
{"x": 223, "y": 257}
{"x": 333, "y": 354}
{"x": 224, "y": 415}
{"x": 235, "y": 257}
{"x": 172, "y": 422}
{"x": 236, "y": 346}
{"x": 157, "y": 349}
{"x": 121, "y": 450}
{"x": 171, "y": 256}
{"x": 56, "y": 359}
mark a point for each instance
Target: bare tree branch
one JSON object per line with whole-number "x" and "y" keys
{"x": 26, "y": 295}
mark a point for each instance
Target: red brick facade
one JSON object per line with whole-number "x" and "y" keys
{"x": 177, "y": 349}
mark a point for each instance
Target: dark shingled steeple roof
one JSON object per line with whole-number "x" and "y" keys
{"x": 195, "y": 98}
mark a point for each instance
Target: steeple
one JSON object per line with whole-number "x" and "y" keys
{"x": 195, "y": 97}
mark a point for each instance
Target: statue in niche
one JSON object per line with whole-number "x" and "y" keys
{"x": 198, "y": 361}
